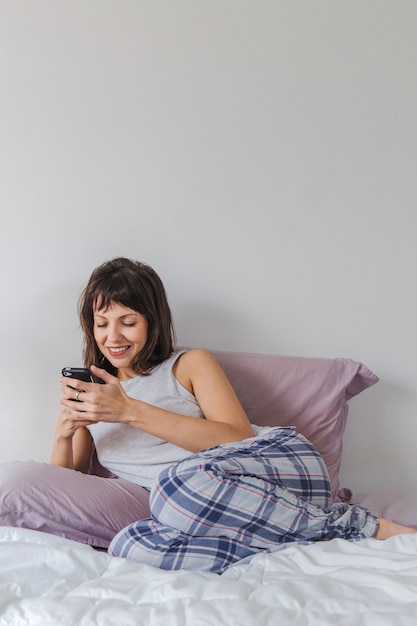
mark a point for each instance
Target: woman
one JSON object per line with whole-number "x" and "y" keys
{"x": 170, "y": 423}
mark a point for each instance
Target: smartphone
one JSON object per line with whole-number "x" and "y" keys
{"x": 81, "y": 373}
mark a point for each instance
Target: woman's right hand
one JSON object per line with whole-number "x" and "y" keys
{"x": 68, "y": 423}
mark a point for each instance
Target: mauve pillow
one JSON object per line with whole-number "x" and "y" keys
{"x": 310, "y": 394}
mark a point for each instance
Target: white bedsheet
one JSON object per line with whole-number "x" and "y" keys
{"x": 50, "y": 581}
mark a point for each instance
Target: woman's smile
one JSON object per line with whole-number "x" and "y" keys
{"x": 118, "y": 351}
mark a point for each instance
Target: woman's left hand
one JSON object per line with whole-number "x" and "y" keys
{"x": 96, "y": 402}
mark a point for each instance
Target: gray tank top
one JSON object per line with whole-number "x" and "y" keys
{"x": 129, "y": 452}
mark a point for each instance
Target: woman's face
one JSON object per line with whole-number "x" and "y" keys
{"x": 120, "y": 334}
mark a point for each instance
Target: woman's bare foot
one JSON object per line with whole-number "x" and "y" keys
{"x": 387, "y": 529}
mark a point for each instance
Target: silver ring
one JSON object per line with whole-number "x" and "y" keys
{"x": 77, "y": 393}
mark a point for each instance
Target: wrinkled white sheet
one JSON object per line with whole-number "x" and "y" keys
{"x": 50, "y": 581}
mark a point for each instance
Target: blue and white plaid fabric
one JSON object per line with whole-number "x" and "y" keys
{"x": 229, "y": 502}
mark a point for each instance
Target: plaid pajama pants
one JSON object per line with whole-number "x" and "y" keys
{"x": 230, "y": 502}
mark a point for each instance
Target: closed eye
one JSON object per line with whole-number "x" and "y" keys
{"x": 126, "y": 324}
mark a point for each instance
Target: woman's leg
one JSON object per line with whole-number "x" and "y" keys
{"x": 64, "y": 502}
{"x": 226, "y": 503}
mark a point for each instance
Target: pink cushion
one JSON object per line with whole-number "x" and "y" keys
{"x": 308, "y": 393}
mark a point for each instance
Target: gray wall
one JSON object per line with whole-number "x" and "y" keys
{"x": 260, "y": 155}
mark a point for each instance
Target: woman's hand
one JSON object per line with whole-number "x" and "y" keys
{"x": 84, "y": 404}
{"x": 68, "y": 424}
{"x": 88, "y": 403}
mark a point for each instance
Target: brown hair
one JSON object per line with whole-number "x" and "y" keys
{"x": 137, "y": 286}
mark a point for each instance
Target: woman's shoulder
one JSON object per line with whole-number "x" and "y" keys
{"x": 187, "y": 357}
{"x": 196, "y": 355}
{"x": 192, "y": 364}
{"x": 195, "y": 360}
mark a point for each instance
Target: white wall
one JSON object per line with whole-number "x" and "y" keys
{"x": 260, "y": 155}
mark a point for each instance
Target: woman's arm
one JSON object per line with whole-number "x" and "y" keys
{"x": 72, "y": 443}
{"x": 197, "y": 371}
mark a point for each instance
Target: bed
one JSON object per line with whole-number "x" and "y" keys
{"x": 49, "y": 580}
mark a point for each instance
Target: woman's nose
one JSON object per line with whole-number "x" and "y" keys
{"x": 113, "y": 333}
